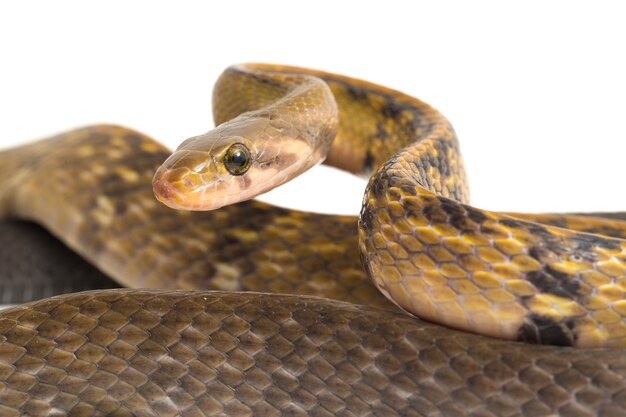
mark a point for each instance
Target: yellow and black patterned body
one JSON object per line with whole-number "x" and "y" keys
{"x": 447, "y": 262}
{"x": 536, "y": 278}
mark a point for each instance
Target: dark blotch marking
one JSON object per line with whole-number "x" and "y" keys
{"x": 391, "y": 109}
{"x": 533, "y": 228}
{"x": 559, "y": 222}
{"x": 394, "y": 194}
{"x": 588, "y": 242}
{"x": 262, "y": 79}
{"x": 383, "y": 180}
{"x": 452, "y": 208}
{"x": 539, "y": 230}
{"x": 412, "y": 209}
{"x": 475, "y": 215}
{"x": 510, "y": 223}
{"x": 357, "y": 94}
{"x": 459, "y": 214}
{"x": 552, "y": 281}
{"x": 417, "y": 122}
{"x": 538, "y": 253}
{"x": 549, "y": 242}
{"x": 381, "y": 133}
{"x": 606, "y": 231}
{"x": 435, "y": 214}
{"x": 134, "y": 140}
{"x": 394, "y": 181}
{"x": 379, "y": 188}
{"x": 408, "y": 189}
{"x": 495, "y": 233}
{"x": 462, "y": 223}
{"x": 585, "y": 243}
{"x": 488, "y": 230}
{"x": 547, "y": 331}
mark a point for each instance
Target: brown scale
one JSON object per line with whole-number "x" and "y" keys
{"x": 145, "y": 353}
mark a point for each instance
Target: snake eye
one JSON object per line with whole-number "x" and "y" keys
{"x": 237, "y": 159}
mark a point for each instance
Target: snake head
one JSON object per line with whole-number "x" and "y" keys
{"x": 234, "y": 162}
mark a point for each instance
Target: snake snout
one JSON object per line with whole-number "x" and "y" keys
{"x": 181, "y": 189}
{"x": 164, "y": 189}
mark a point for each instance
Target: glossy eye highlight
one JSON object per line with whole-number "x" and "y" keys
{"x": 237, "y": 159}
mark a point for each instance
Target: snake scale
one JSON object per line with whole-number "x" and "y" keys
{"x": 262, "y": 311}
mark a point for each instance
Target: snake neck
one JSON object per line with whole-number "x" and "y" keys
{"x": 275, "y": 96}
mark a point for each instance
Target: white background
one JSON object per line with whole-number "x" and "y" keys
{"x": 536, "y": 90}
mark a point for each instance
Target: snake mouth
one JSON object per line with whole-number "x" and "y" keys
{"x": 166, "y": 191}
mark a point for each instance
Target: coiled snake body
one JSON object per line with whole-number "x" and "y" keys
{"x": 134, "y": 352}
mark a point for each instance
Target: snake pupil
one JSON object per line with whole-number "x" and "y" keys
{"x": 237, "y": 159}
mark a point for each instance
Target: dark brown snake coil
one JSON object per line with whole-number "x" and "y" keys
{"x": 200, "y": 352}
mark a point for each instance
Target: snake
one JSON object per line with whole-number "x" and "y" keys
{"x": 421, "y": 306}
